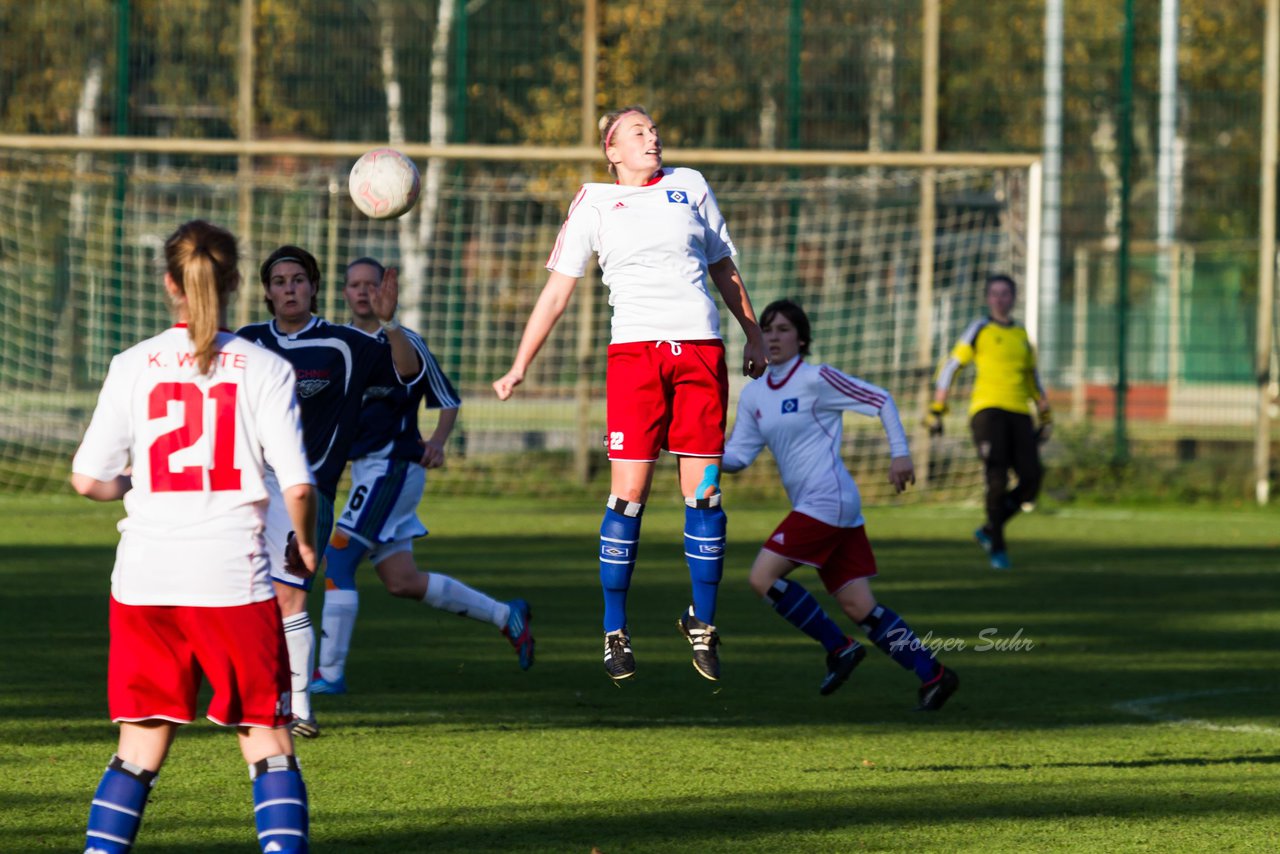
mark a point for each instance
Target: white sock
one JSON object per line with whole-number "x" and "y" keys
{"x": 450, "y": 594}
{"x": 302, "y": 658}
{"x": 336, "y": 625}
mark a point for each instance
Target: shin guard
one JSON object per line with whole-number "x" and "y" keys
{"x": 895, "y": 638}
{"x": 117, "y": 807}
{"x": 280, "y": 804}
{"x": 704, "y": 542}
{"x": 619, "y": 544}
{"x": 798, "y": 607}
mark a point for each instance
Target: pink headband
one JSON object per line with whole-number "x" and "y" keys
{"x": 608, "y": 137}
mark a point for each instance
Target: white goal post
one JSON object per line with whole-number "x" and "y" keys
{"x": 81, "y": 220}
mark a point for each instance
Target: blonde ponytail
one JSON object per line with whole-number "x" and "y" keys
{"x": 202, "y": 260}
{"x": 202, "y": 307}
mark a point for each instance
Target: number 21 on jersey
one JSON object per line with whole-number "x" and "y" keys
{"x": 223, "y": 474}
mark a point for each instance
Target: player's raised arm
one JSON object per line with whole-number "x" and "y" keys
{"x": 384, "y": 300}
{"x": 546, "y": 312}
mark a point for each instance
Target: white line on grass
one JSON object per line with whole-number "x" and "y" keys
{"x": 1144, "y": 708}
{"x": 1094, "y": 514}
{"x": 1175, "y": 514}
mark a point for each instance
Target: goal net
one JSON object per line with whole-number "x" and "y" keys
{"x": 80, "y": 279}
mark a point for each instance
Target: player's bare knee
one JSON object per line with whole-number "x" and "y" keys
{"x": 401, "y": 577}
{"x": 401, "y": 590}
{"x": 763, "y": 574}
{"x": 407, "y": 586}
{"x": 761, "y": 580}
{"x": 856, "y": 600}
{"x": 293, "y": 600}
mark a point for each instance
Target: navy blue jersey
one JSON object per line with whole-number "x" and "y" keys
{"x": 334, "y": 366}
{"x": 389, "y": 415}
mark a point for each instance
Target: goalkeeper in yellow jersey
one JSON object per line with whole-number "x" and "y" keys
{"x": 1004, "y": 391}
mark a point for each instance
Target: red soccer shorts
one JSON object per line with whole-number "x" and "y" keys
{"x": 159, "y": 652}
{"x": 666, "y": 395}
{"x": 840, "y": 555}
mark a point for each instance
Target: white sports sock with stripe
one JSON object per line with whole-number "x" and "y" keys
{"x": 449, "y": 594}
{"x": 301, "y": 641}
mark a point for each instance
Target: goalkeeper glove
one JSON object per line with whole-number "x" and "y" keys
{"x": 1045, "y": 429}
{"x": 933, "y": 419}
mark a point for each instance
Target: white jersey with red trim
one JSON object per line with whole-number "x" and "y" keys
{"x": 198, "y": 445}
{"x": 654, "y": 243}
{"x": 797, "y": 410}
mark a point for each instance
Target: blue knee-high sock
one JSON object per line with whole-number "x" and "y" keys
{"x": 704, "y": 540}
{"x": 619, "y": 544}
{"x": 280, "y": 804}
{"x": 798, "y": 607}
{"x": 894, "y": 637}
{"x": 116, "y": 811}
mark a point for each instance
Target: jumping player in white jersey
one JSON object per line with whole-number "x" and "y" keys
{"x": 797, "y": 410}
{"x": 380, "y": 519}
{"x": 199, "y": 414}
{"x": 334, "y": 365}
{"x": 659, "y": 236}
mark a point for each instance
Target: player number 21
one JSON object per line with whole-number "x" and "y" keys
{"x": 223, "y": 474}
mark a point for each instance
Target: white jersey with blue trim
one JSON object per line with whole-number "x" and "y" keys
{"x": 797, "y": 409}
{"x": 654, "y": 245}
{"x": 199, "y": 446}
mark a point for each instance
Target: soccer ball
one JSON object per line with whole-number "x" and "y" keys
{"x": 384, "y": 183}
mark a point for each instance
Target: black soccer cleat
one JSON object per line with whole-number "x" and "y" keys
{"x": 840, "y": 666}
{"x": 305, "y": 727}
{"x": 704, "y": 639}
{"x": 619, "y": 663}
{"x": 936, "y": 692}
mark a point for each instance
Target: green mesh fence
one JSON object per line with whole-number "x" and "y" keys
{"x": 728, "y": 74}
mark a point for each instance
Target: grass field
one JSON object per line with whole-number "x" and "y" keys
{"x": 1144, "y": 717}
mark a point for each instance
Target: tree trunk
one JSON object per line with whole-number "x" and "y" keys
{"x": 411, "y": 264}
{"x": 438, "y": 127}
{"x": 86, "y": 125}
{"x": 1106, "y": 150}
{"x": 415, "y": 241}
